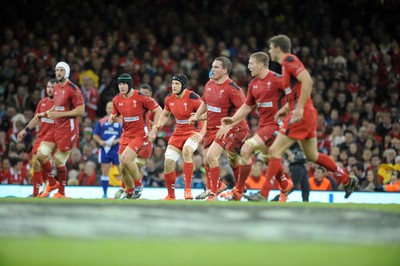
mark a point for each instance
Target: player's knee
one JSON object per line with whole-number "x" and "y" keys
{"x": 43, "y": 152}
{"x": 187, "y": 153}
{"x": 211, "y": 159}
{"x": 60, "y": 158}
{"x": 124, "y": 160}
{"x": 36, "y": 166}
{"x": 169, "y": 165}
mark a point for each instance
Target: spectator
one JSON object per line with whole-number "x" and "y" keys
{"x": 87, "y": 176}
{"x": 319, "y": 180}
{"x": 17, "y": 174}
{"x": 371, "y": 181}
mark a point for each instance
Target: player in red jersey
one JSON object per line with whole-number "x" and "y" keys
{"x": 300, "y": 120}
{"x": 185, "y": 139}
{"x": 46, "y": 125}
{"x": 264, "y": 91}
{"x": 146, "y": 90}
{"x": 68, "y": 105}
{"x": 221, "y": 98}
{"x": 136, "y": 137}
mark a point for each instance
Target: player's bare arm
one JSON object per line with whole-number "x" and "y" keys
{"x": 194, "y": 118}
{"x": 32, "y": 124}
{"x": 157, "y": 116}
{"x": 198, "y": 136}
{"x": 306, "y": 89}
{"x": 284, "y": 111}
{"x": 77, "y": 111}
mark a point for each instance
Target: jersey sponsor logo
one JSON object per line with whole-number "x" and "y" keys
{"x": 255, "y": 87}
{"x": 172, "y": 104}
{"x": 288, "y": 90}
{"x": 213, "y": 109}
{"x": 208, "y": 89}
{"x": 59, "y": 108}
{"x": 47, "y": 120}
{"x": 131, "y": 119}
{"x": 43, "y": 104}
{"x": 265, "y": 104}
{"x": 120, "y": 104}
{"x": 111, "y": 132}
{"x": 182, "y": 121}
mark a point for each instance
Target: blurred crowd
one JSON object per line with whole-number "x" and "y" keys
{"x": 351, "y": 49}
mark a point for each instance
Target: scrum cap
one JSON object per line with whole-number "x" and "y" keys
{"x": 65, "y": 66}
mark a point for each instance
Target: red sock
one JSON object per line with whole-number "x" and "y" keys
{"x": 36, "y": 182}
{"x": 214, "y": 174}
{"x": 170, "y": 180}
{"x": 130, "y": 190}
{"x": 123, "y": 186}
{"x": 244, "y": 173}
{"x": 47, "y": 169}
{"x": 236, "y": 173}
{"x": 329, "y": 164}
{"x": 137, "y": 182}
{"x": 208, "y": 177}
{"x": 43, "y": 174}
{"x": 62, "y": 178}
{"x": 275, "y": 169}
{"x": 188, "y": 172}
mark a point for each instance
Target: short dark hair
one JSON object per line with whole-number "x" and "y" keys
{"x": 146, "y": 87}
{"x": 53, "y": 81}
{"x": 226, "y": 63}
{"x": 281, "y": 41}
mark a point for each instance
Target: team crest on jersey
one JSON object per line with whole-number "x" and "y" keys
{"x": 220, "y": 93}
{"x": 134, "y": 103}
{"x": 120, "y": 104}
{"x": 255, "y": 87}
{"x": 269, "y": 85}
{"x": 185, "y": 104}
{"x": 172, "y": 104}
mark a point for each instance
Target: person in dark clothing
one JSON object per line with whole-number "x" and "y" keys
{"x": 298, "y": 171}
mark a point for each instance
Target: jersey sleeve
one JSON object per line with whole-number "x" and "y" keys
{"x": 293, "y": 65}
{"x": 38, "y": 106}
{"x": 237, "y": 96}
{"x": 149, "y": 103}
{"x": 77, "y": 97}
{"x": 167, "y": 102}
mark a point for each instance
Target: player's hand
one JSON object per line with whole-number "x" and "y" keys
{"x": 223, "y": 131}
{"x": 51, "y": 113}
{"x": 227, "y": 121}
{"x": 112, "y": 119}
{"x": 192, "y": 119}
{"x": 21, "y": 135}
{"x": 197, "y": 137}
{"x": 280, "y": 115}
{"x": 151, "y": 135}
{"x": 297, "y": 115}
